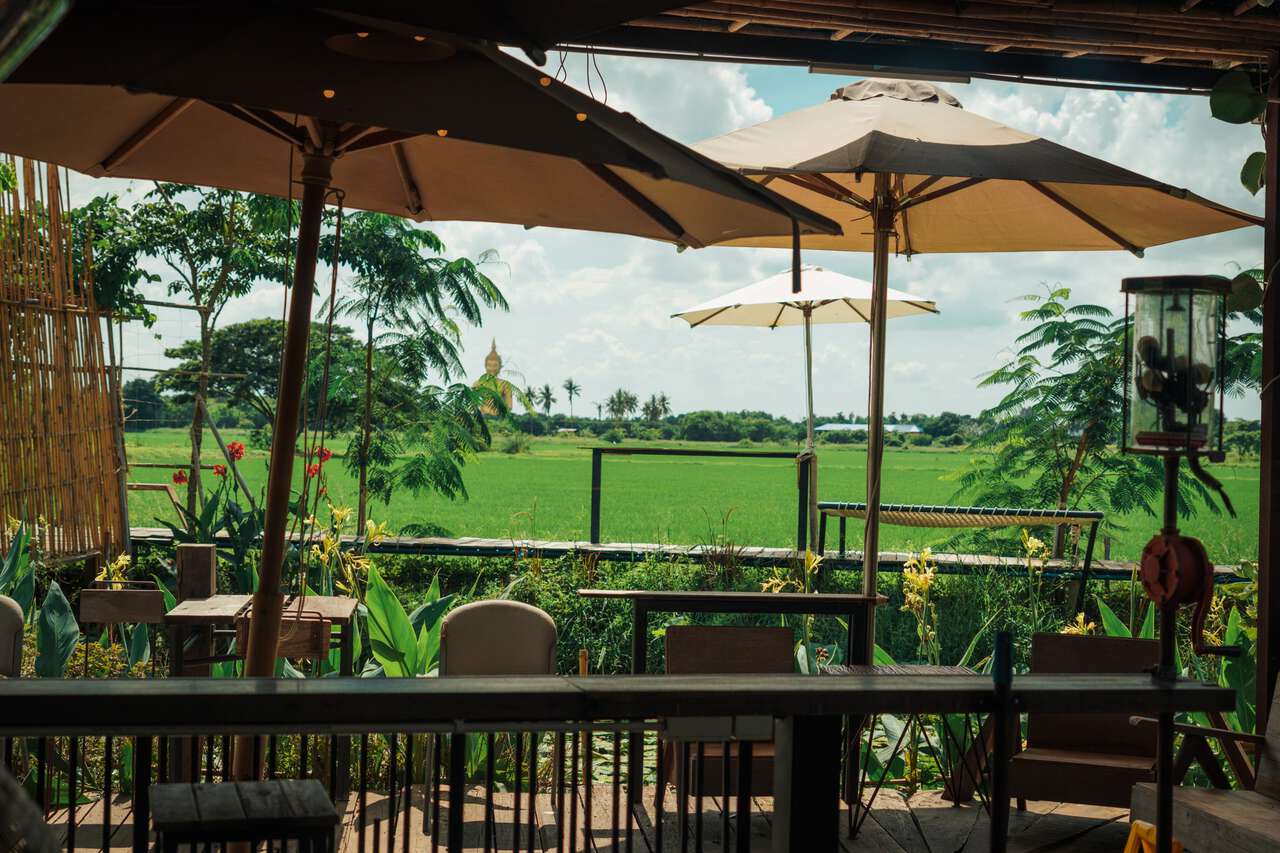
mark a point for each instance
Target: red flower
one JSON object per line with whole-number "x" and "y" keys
{"x": 324, "y": 454}
{"x": 323, "y": 491}
{"x": 313, "y": 470}
{"x": 236, "y": 450}
{"x": 180, "y": 476}
{"x": 219, "y": 470}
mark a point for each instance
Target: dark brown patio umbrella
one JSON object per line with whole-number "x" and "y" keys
{"x": 417, "y": 125}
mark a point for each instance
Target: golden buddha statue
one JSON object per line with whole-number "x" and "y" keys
{"x": 493, "y": 368}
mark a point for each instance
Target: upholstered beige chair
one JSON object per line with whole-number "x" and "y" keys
{"x": 498, "y": 637}
{"x": 10, "y": 637}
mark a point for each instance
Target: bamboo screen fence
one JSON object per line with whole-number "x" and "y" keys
{"x": 58, "y": 464}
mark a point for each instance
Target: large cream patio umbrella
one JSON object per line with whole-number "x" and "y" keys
{"x": 426, "y": 126}
{"x": 825, "y": 297}
{"x": 902, "y": 162}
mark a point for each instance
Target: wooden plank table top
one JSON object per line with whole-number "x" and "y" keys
{"x": 224, "y": 609}
{"x": 716, "y": 601}
{"x": 286, "y": 705}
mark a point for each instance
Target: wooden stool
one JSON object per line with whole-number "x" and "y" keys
{"x": 277, "y": 811}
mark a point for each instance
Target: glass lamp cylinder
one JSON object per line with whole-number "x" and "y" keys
{"x": 1174, "y": 349}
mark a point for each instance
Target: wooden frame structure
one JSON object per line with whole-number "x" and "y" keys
{"x": 59, "y": 469}
{"x": 1146, "y": 45}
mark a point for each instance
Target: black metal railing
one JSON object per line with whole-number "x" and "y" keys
{"x": 503, "y": 763}
{"x": 802, "y": 481}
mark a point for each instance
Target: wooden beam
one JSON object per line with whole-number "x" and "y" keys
{"x": 734, "y": 26}
{"x": 842, "y": 34}
{"x": 1268, "y": 656}
{"x": 1151, "y": 60}
{"x": 1188, "y": 5}
{"x": 1074, "y": 54}
{"x": 1244, "y": 6}
{"x": 996, "y": 48}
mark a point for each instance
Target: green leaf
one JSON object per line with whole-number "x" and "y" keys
{"x": 1246, "y": 293}
{"x": 1111, "y": 623}
{"x": 24, "y": 592}
{"x": 882, "y": 657}
{"x": 391, "y": 637}
{"x": 56, "y": 634}
{"x": 1148, "y": 629}
{"x": 1236, "y": 99}
{"x": 1253, "y": 173}
{"x": 15, "y": 562}
{"x": 139, "y": 645}
{"x": 170, "y": 600}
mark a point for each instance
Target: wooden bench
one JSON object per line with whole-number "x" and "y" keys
{"x": 295, "y": 811}
{"x": 929, "y": 515}
{"x": 1214, "y": 819}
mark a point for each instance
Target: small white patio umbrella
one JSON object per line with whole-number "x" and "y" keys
{"x": 825, "y": 296}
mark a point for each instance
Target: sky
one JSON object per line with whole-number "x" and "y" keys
{"x": 597, "y": 308}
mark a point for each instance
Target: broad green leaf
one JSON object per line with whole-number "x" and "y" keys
{"x": 1111, "y": 623}
{"x": 1254, "y": 172}
{"x": 170, "y": 600}
{"x": 24, "y": 592}
{"x": 1148, "y": 629}
{"x": 882, "y": 657}
{"x": 1239, "y": 673}
{"x": 1236, "y": 99}
{"x": 390, "y": 634}
{"x": 139, "y": 645}
{"x": 15, "y": 562}
{"x": 56, "y": 634}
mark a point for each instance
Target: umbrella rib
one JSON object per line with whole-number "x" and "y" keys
{"x": 267, "y": 122}
{"x": 855, "y": 310}
{"x": 145, "y": 133}
{"x": 413, "y": 198}
{"x": 781, "y": 308}
{"x": 937, "y": 194}
{"x": 844, "y": 196}
{"x": 835, "y": 186}
{"x": 642, "y": 202}
{"x": 373, "y": 138}
{"x": 1085, "y": 218}
{"x": 932, "y": 309}
{"x": 710, "y": 316}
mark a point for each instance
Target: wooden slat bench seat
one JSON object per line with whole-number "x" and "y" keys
{"x": 284, "y": 811}
{"x": 1223, "y": 820}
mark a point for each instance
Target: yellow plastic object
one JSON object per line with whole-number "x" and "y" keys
{"x": 1142, "y": 839}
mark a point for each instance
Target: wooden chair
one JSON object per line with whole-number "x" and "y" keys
{"x": 1211, "y": 818}
{"x": 1092, "y": 759}
{"x": 716, "y": 650}
{"x": 498, "y": 637}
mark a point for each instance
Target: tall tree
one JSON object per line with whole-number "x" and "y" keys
{"x": 411, "y": 299}
{"x": 621, "y": 404}
{"x": 571, "y": 390}
{"x": 218, "y": 244}
{"x": 546, "y": 397}
{"x": 1055, "y": 435}
{"x": 244, "y": 361}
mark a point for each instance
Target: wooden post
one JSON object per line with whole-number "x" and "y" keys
{"x": 268, "y": 601}
{"x": 1268, "y": 658}
{"x": 596, "y": 459}
{"x": 197, "y": 578}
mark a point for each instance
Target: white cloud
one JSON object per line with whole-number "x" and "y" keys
{"x": 596, "y": 307}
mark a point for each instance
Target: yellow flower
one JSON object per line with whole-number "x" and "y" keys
{"x": 114, "y": 572}
{"x": 375, "y": 532}
{"x": 339, "y": 515}
{"x": 1079, "y": 626}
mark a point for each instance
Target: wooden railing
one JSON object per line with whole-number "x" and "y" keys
{"x": 546, "y": 737}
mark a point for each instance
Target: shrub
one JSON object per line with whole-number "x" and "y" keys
{"x": 516, "y": 442}
{"x": 919, "y": 439}
{"x": 614, "y": 436}
{"x": 955, "y": 439}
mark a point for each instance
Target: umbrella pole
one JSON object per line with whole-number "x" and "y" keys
{"x": 268, "y": 601}
{"x": 882, "y": 215}
{"x": 808, "y": 445}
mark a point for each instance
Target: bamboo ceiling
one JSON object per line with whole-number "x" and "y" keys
{"x": 1206, "y": 33}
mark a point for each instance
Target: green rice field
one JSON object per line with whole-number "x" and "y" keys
{"x": 545, "y": 494}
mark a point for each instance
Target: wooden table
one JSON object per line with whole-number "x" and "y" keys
{"x": 855, "y": 607}
{"x": 226, "y": 609}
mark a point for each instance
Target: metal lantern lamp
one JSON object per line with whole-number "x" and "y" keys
{"x": 1175, "y": 342}
{"x": 1175, "y": 336}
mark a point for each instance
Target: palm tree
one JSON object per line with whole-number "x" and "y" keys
{"x": 649, "y": 411}
{"x": 403, "y": 284}
{"x": 664, "y": 406}
{"x": 529, "y": 396}
{"x": 571, "y": 389}
{"x": 621, "y": 404}
{"x": 545, "y": 398}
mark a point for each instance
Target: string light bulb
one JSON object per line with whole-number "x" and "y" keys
{"x": 419, "y": 38}
{"x": 544, "y": 80}
{"x": 442, "y": 132}
{"x": 582, "y": 116}
{"x": 362, "y": 35}
{"x": 328, "y": 94}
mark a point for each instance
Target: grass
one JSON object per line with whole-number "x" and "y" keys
{"x": 545, "y": 493}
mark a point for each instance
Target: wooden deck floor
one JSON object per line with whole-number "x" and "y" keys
{"x": 923, "y": 824}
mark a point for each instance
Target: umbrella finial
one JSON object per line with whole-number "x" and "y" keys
{"x": 898, "y": 90}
